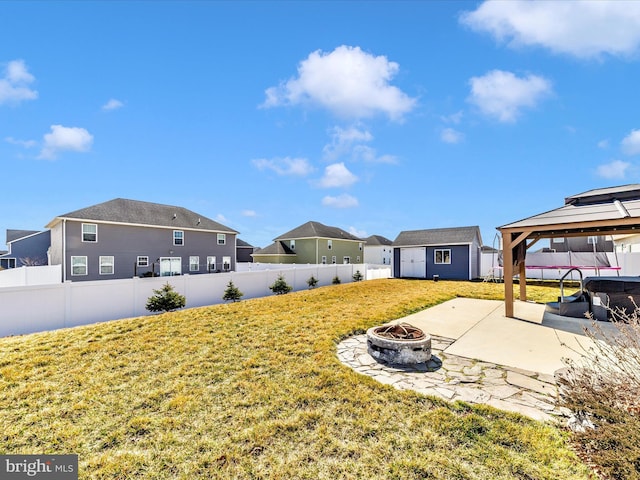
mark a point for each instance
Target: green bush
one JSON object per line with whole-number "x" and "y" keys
{"x": 280, "y": 286}
{"x": 232, "y": 293}
{"x": 336, "y": 280}
{"x": 357, "y": 277}
{"x": 165, "y": 299}
{"x": 312, "y": 282}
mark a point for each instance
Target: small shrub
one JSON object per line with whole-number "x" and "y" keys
{"x": 336, "y": 280}
{"x": 603, "y": 389}
{"x": 280, "y": 286}
{"x": 312, "y": 282}
{"x": 165, "y": 299}
{"x": 357, "y": 277}
{"x": 232, "y": 293}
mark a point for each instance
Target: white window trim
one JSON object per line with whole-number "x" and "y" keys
{"x": 223, "y": 237}
{"x": 112, "y": 264}
{"x": 193, "y": 264}
{"x": 334, "y": 260}
{"x": 182, "y": 238}
{"x": 557, "y": 240}
{"x": 82, "y": 233}
{"x": 346, "y": 260}
{"x": 329, "y": 244}
{"x": 211, "y": 263}
{"x": 86, "y": 266}
{"x": 292, "y": 244}
{"x": 226, "y": 263}
{"x": 592, "y": 240}
{"x": 139, "y": 262}
{"x": 435, "y": 253}
{"x": 324, "y": 259}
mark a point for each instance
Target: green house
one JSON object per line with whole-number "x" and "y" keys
{"x": 313, "y": 243}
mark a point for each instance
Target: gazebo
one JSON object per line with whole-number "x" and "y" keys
{"x": 603, "y": 211}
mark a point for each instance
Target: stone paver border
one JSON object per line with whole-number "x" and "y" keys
{"x": 454, "y": 378}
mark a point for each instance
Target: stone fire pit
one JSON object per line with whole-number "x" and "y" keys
{"x": 400, "y": 343}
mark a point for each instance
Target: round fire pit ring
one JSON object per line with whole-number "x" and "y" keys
{"x": 399, "y": 344}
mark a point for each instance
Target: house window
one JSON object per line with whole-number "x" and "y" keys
{"x": 178, "y": 237}
{"x": 330, "y": 245}
{"x": 557, "y": 240}
{"x": 226, "y": 263}
{"x": 194, "y": 263}
{"x": 442, "y": 256}
{"x": 292, "y": 244}
{"x": 89, "y": 232}
{"x": 592, "y": 240}
{"x": 78, "y": 265}
{"x": 333, "y": 259}
{"x": 358, "y": 259}
{"x": 106, "y": 265}
{"x": 222, "y": 238}
{"x": 360, "y": 246}
{"x": 324, "y": 260}
{"x": 211, "y": 264}
{"x": 143, "y": 261}
{"x": 346, "y": 260}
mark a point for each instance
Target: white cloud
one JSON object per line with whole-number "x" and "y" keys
{"x": 631, "y": 143}
{"x": 349, "y": 142}
{"x": 22, "y": 143}
{"x": 454, "y": 118}
{"x": 112, "y": 104}
{"x": 249, "y": 213}
{"x": 65, "y": 138}
{"x": 298, "y": 167}
{"x": 603, "y": 144}
{"x": 358, "y": 233}
{"x": 502, "y": 94}
{"x": 616, "y": 169}
{"x": 341, "y": 201}
{"x": 348, "y": 82}
{"x": 337, "y": 175}
{"x": 221, "y": 218}
{"x": 449, "y": 135}
{"x": 582, "y": 28}
{"x": 14, "y": 86}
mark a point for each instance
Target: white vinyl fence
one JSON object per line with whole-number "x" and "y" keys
{"x": 37, "y": 308}
{"x": 36, "y": 275}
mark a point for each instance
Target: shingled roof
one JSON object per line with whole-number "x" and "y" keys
{"x": 13, "y": 235}
{"x": 121, "y": 210}
{"x": 377, "y": 240}
{"x": 276, "y": 248}
{"x": 317, "y": 230}
{"x": 438, "y": 236}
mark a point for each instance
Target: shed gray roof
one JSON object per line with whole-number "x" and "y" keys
{"x": 317, "y": 230}
{"x": 16, "y": 234}
{"x": 121, "y": 210}
{"x": 377, "y": 240}
{"x": 241, "y": 243}
{"x": 438, "y": 236}
{"x": 276, "y": 248}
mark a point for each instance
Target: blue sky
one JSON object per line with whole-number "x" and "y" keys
{"x": 374, "y": 117}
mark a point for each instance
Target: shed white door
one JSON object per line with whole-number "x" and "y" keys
{"x": 413, "y": 262}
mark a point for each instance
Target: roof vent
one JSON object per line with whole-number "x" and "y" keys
{"x": 175, "y": 215}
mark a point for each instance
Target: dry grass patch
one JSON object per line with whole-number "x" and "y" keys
{"x": 254, "y": 390}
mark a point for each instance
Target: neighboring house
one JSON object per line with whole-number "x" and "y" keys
{"x": 449, "y": 253}
{"x": 378, "y": 250}
{"x": 124, "y": 238}
{"x": 244, "y": 251}
{"x": 313, "y": 243}
{"x": 26, "y": 248}
{"x": 594, "y": 243}
{"x": 626, "y": 243}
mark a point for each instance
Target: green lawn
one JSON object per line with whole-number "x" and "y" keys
{"x": 254, "y": 390}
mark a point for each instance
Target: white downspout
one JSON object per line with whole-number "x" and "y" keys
{"x": 64, "y": 250}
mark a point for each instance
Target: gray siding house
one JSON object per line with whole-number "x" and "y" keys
{"x": 26, "y": 248}
{"x": 125, "y": 238}
{"x": 449, "y": 253}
